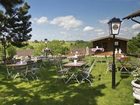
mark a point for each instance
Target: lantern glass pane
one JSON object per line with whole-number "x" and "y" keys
{"x": 115, "y": 28}
{"x": 110, "y": 28}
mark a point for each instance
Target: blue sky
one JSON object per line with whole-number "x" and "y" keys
{"x": 80, "y": 19}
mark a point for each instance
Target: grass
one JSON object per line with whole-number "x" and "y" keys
{"x": 49, "y": 90}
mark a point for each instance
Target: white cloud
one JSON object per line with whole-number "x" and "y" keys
{"x": 136, "y": 26}
{"x": 136, "y": 32}
{"x": 41, "y": 20}
{"x": 125, "y": 29}
{"x": 105, "y": 21}
{"x": 88, "y": 28}
{"x": 98, "y": 30}
{"x": 66, "y": 22}
{"x": 63, "y": 33}
{"x": 101, "y": 33}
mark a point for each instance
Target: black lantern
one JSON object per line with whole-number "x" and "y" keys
{"x": 46, "y": 41}
{"x": 114, "y": 28}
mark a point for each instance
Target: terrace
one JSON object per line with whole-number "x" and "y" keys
{"x": 49, "y": 89}
{"x": 76, "y": 72}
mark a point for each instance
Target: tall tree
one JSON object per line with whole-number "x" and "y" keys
{"x": 20, "y": 26}
{"x": 14, "y": 24}
{"x": 134, "y": 45}
{"x": 9, "y": 5}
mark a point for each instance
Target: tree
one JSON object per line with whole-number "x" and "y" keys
{"x": 20, "y": 26}
{"x": 14, "y": 24}
{"x": 134, "y": 45}
{"x": 80, "y": 44}
{"x": 58, "y": 47}
{"x": 9, "y": 5}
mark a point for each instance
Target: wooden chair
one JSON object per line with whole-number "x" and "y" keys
{"x": 14, "y": 71}
{"x": 33, "y": 68}
{"x": 86, "y": 74}
{"x": 109, "y": 66}
{"x": 63, "y": 73}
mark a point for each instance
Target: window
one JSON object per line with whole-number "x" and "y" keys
{"x": 116, "y": 43}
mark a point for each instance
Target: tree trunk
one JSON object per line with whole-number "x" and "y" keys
{"x": 4, "y": 53}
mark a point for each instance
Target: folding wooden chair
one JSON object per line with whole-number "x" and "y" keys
{"x": 16, "y": 70}
{"x": 63, "y": 73}
{"x": 86, "y": 74}
{"x": 33, "y": 68}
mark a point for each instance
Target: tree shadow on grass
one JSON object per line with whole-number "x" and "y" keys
{"x": 52, "y": 94}
{"x": 48, "y": 91}
{"x": 11, "y": 94}
{"x": 57, "y": 94}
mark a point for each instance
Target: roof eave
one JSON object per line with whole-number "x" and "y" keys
{"x": 124, "y": 39}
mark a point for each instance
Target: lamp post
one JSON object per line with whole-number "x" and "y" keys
{"x": 46, "y": 41}
{"x": 46, "y": 49}
{"x": 114, "y": 28}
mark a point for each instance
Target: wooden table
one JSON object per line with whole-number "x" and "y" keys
{"x": 16, "y": 65}
{"x": 14, "y": 70}
{"x": 72, "y": 64}
{"x": 74, "y": 74}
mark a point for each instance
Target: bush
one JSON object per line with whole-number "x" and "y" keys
{"x": 11, "y": 51}
{"x": 58, "y": 47}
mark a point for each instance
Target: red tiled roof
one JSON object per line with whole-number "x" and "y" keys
{"x": 25, "y": 52}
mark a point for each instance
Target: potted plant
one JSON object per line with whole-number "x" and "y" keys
{"x": 136, "y": 83}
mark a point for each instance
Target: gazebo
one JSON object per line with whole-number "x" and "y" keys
{"x": 105, "y": 44}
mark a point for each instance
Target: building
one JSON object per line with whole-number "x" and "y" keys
{"x": 107, "y": 41}
{"x": 28, "y": 52}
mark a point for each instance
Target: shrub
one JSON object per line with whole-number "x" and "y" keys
{"x": 11, "y": 51}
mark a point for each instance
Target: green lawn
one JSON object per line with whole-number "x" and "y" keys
{"x": 50, "y": 90}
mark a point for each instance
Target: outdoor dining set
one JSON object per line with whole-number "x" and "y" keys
{"x": 78, "y": 71}
{"x": 24, "y": 69}
{"x": 75, "y": 70}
